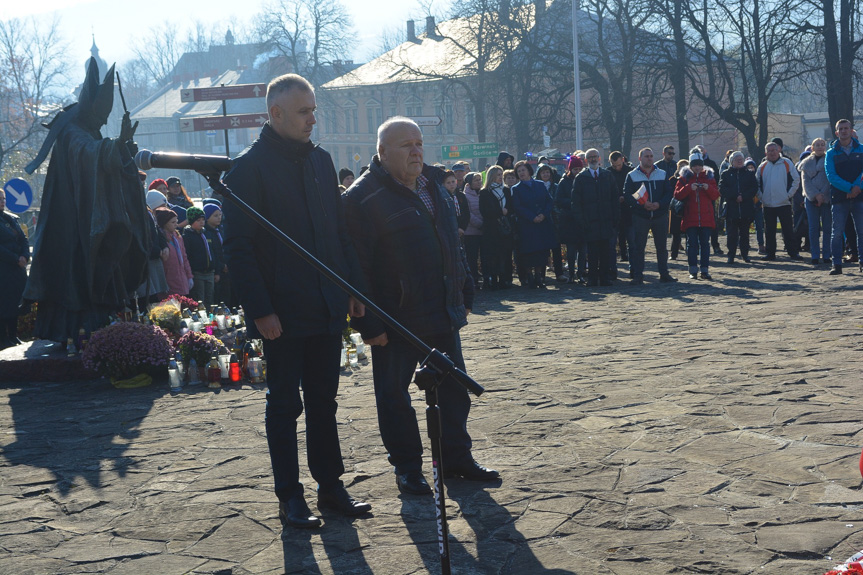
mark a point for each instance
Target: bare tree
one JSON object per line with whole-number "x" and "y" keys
{"x": 838, "y": 24}
{"x": 32, "y": 69}
{"x": 159, "y": 58}
{"x": 309, "y": 33}
{"x": 747, "y": 50}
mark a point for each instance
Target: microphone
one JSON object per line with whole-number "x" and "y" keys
{"x": 147, "y": 160}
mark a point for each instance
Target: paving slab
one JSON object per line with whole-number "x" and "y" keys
{"x": 698, "y": 427}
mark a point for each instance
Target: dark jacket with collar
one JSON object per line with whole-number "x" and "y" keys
{"x": 200, "y": 259}
{"x": 295, "y": 187}
{"x": 735, "y": 182}
{"x": 13, "y": 245}
{"x": 413, "y": 262}
{"x": 844, "y": 170}
{"x": 595, "y": 205}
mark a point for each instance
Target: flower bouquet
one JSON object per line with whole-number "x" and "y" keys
{"x": 182, "y": 301}
{"x": 198, "y": 346}
{"x": 166, "y": 315}
{"x": 126, "y": 349}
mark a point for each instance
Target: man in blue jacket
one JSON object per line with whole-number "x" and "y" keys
{"x": 649, "y": 214}
{"x": 403, "y": 224}
{"x": 843, "y": 166}
{"x": 299, "y": 313}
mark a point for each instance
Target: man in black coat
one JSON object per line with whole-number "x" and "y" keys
{"x": 595, "y": 206}
{"x": 299, "y": 313}
{"x": 403, "y": 225}
{"x": 619, "y": 168}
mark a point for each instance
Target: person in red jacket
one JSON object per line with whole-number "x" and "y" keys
{"x": 697, "y": 189}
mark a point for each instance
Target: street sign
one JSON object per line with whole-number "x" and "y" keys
{"x": 19, "y": 195}
{"x": 222, "y": 122}
{"x": 426, "y": 120}
{"x": 235, "y": 92}
{"x": 466, "y": 151}
{"x": 356, "y": 157}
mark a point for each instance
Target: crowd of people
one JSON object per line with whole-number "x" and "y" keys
{"x": 520, "y": 220}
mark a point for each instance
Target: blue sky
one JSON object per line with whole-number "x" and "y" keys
{"x": 109, "y": 20}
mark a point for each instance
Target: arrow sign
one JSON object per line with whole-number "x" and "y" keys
{"x": 222, "y": 122}
{"x": 426, "y": 120}
{"x": 19, "y": 195}
{"x": 235, "y": 92}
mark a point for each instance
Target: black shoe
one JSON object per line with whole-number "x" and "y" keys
{"x": 667, "y": 279}
{"x": 592, "y": 283}
{"x": 730, "y": 261}
{"x": 746, "y": 259}
{"x": 706, "y": 276}
{"x": 413, "y": 483}
{"x": 836, "y": 271}
{"x": 296, "y": 513}
{"x": 636, "y": 282}
{"x": 472, "y": 471}
{"x": 718, "y": 252}
{"x": 796, "y": 257}
{"x": 340, "y": 501}
{"x": 693, "y": 276}
{"x": 606, "y": 283}
{"x": 816, "y": 261}
{"x": 770, "y": 258}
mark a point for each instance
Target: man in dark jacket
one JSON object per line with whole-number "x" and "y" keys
{"x": 595, "y": 208}
{"x": 739, "y": 187}
{"x": 619, "y": 168}
{"x": 404, "y": 228}
{"x": 843, "y": 165}
{"x": 649, "y": 214}
{"x": 299, "y": 313}
{"x": 667, "y": 163}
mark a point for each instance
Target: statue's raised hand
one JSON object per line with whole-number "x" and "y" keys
{"x": 127, "y": 130}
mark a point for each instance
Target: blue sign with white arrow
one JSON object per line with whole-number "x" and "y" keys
{"x": 19, "y": 195}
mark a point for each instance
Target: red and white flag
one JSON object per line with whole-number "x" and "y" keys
{"x": 640, "y": 195}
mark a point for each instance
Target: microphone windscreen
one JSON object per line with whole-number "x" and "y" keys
{"x": 142, "y": 160}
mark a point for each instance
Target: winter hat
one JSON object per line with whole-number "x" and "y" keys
{"x": 734, "y": 156}
{"x": 194, "y": 213}
{"x": 696, "y": 159}
{"x": 459, "y": 167}
{"x": 156, "y": 183}
{"x": 173, "y": 180}
{"x": 344, "y": 173}
{"x": 804, "y": 155}
{"x": 778, "y": 142}
{"x": 574, "y": 162}
{"x": 155, "y": 199}
{"x": 749, "y": 162}
{"x": 207, "y": 201}
{"x": 163, "y": 216}
{"x": 209, "y": 210}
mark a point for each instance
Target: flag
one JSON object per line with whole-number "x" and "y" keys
{"x": 640, "y": 195}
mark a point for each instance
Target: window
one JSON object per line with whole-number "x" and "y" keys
{"x": 470, "y": 117}
{"x": 351, "y": 119}
{"x": 444, "y": 112}
{"x": 374, "y": 116}
{"x": 413, "y": 107}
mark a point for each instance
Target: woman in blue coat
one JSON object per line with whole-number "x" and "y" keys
{"x": 533, "y": 205}
{"x": 14, "y": 255}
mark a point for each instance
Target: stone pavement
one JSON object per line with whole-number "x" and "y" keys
{"x": 701, "y": 427}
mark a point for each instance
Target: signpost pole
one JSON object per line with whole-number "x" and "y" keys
{"x": 225, "y": 115}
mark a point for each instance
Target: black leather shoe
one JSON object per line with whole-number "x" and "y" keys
{"x": 836, "y": 271}
{"x": 340, "y": 501}
{"x": 667, "y": 279}
{"x": 472, "y": 471}
{"x": 413, "y": 483}
{"x": 296, "y": 513}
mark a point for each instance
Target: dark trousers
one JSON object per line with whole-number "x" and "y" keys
{"x": 472, "y": 246}
{"x": 8, "y": 329}
{"x": 738, "y": 236}
{"x": 698, "y": 241}
{"x": 598, "y": 262}
{"x": 676, "y": 234}
{"x": 557, "y": 260}
{"x": 310, "y": 364}
{"x": 783, "y": 214}
{"x": 393, "y": 368}
{"x": 658, "y": 225}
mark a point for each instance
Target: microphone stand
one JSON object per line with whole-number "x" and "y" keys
{"x": 432, "y": 371}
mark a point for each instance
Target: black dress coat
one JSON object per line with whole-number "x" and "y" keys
{"x": 595, "y": 205}
{"x": 13, "y": 245}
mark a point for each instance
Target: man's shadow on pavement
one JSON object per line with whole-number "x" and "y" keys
{"x": 341, "y": 544}
{"x": 500, "y": 548}
{"x": 76, "y": 430}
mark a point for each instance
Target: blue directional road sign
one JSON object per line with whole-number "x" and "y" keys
{"x": 19, "y": 195}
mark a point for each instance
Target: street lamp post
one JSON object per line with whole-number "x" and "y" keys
{"x": 579, "y": 143}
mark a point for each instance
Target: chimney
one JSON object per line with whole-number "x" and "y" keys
{"x": 430, "y": 26}
{"x": 412, "y": 32}
{"x": 539, "y": 8}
